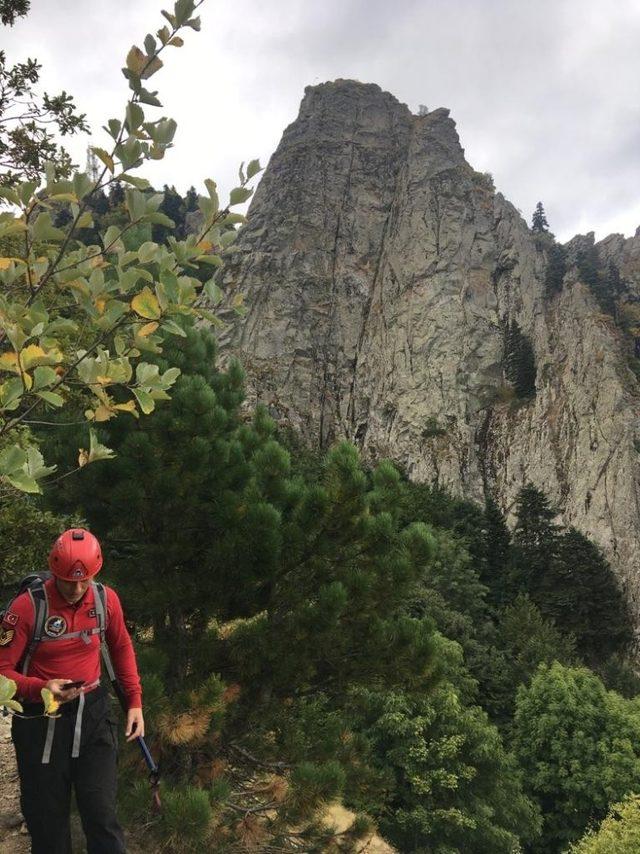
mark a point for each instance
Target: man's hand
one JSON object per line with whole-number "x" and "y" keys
{"x": 55, "y": 686}
{"x": 135, "y": 724}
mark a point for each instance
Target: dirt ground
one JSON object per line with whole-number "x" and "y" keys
{"x": 14, "y": 838}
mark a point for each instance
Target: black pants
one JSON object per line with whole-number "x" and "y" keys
{"x": 45, "y": 789}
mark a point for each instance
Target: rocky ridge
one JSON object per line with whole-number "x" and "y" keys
{"x": 380, "y": 271}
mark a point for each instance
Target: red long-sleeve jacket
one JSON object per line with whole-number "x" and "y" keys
{"x": 67, "y": 658}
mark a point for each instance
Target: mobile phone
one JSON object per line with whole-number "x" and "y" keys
{"x": 70, "y": 685}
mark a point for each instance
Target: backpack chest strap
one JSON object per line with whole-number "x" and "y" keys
{"x": 85, "y": 634}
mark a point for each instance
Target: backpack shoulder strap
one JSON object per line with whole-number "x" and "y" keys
{"x": 100, "y": 604}
{"x": 38, "y": 595}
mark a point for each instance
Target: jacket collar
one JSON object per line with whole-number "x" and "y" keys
{"x": 58, "y": 603}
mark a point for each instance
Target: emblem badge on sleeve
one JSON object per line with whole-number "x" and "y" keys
{"x": 6, "y": 636}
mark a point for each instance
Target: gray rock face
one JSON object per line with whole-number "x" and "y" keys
{"x": 379, "y": 271}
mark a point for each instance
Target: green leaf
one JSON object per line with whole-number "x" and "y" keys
{"x": 138, "y": 183}
{"x": 165, "y": 131}
{"x": 183, "y": 10}
{"x": 105, "y": 157}
{"x": 43, "y": 229}
{"x": 253, "y": 168}
{"x": 43, "y": 376}
{"x": 145, "y": 401}
{"x": 85, "y": 220}
{"x": 147, "y": 252}
{"x": 172, "y": 327}
{"x": 26, "y": 191}
{"x": 150, "y": 98}
{"x": 146, "y": 304}
{"x": 135, "y": 116}
{"x": 8, "y": 688}
{"x": 96, "y": 451}
{"x": 150, "y": 44}
{"x": 212, "y": 290}
{"x": 239, "y": 195}
{"x": 51, "y": 397}
{"x": 211, "y": 260}
{"x": 82, "y": 184}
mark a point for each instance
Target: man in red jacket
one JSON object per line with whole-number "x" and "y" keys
{"x": 77, "y": 749}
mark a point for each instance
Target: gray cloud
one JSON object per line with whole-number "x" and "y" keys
{"x": 544, "y": 94}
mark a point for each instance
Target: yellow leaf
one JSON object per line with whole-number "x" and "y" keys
{"x": 129, "y": 406}
{"x": 83, "y": 457}
{"x": 205, "y": 245}
{"x": 146, "y": 304}
{"x": 51, "y": 705}
{"x": 100, "y": 304}
{"x": 103, "y": 380}
{"x": 34, "y": 355}
{"x": 9, "y": 362}
{"x": 148, "y": 328}
{"x": 102, "y": 413}
{"x": 5, "y": 263}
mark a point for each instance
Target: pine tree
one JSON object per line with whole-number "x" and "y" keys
{"x": 497, "y": 541}
{"x": 191, "y": 200}
{"x": 581, "y": 594}
{"x": 556, "y": 269}
{"x": 520, "y": 364}
{"x": 535, "y": 540}
{"x": 116, "y": 194}
{"x": 539, "y": 222}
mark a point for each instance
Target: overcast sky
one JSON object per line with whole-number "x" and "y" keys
{"x": 546, "y": 95}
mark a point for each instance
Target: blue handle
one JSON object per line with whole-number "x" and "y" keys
{"x": 148, "y": 758}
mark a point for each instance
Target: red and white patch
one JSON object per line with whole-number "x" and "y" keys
{"x": 10, "y": 619}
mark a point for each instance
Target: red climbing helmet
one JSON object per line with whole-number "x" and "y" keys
{"x": 75, "y": 555}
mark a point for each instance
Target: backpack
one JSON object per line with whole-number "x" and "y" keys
{"x": 34, "y": 585}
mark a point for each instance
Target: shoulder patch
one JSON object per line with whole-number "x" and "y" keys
{"x": 6, "y": 636}
{"x": 10, "y": 619}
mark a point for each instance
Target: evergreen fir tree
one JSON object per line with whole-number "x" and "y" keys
{"x": 191, "y": 200}
{"x": 497, "y": 543}
{"x": 116, "y": 194}
{"x": 581, "y": 594}
{"x": 539, "y": 222}
{"x": 174, "y": 207}
{"x": 556, "y": 269}
{"x": 535, "y": 540}
{"x": 520, "y": 365}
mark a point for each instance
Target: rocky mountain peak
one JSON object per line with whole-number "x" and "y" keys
{"x": 395, "y": 299}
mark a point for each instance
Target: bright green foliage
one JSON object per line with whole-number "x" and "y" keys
{"x": 619, "y": 833}
{"x": 454, "y": 788}
{"x": 7, "y": 693}
{"x": 77, "y": 314}
{"x": 186, "y": 814}
{"x": 579, "y": 748}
